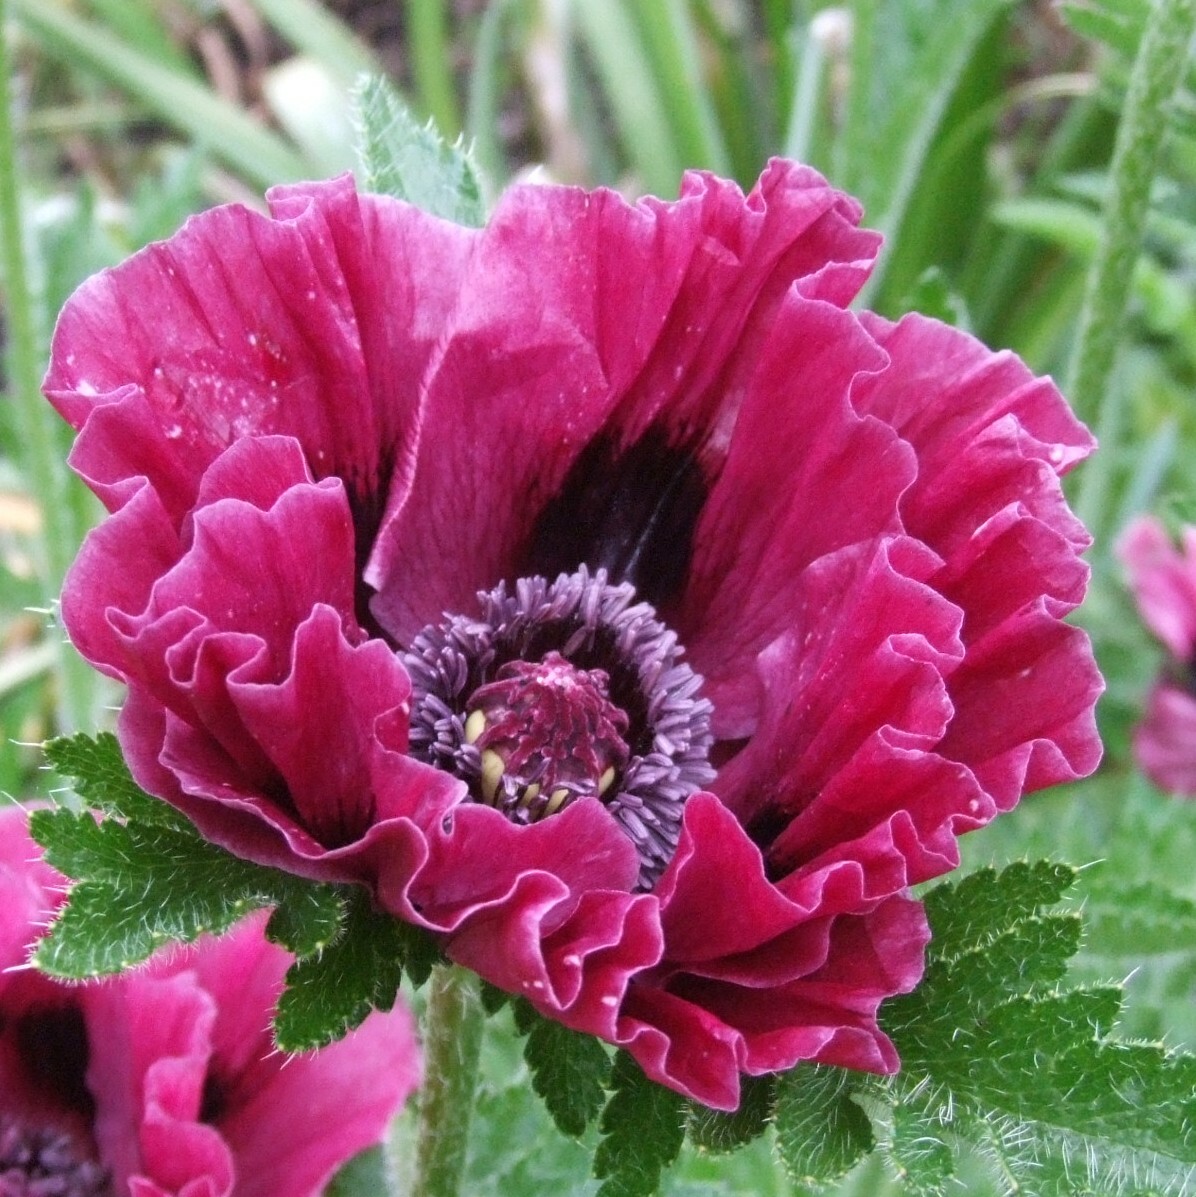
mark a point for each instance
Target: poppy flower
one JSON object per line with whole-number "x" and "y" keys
{"x": 165, "y": 1081}
{"x": 593, "y": 586}
{"x": 1163, "y": 581}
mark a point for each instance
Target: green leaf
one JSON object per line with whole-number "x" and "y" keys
{"x": 101, "y": 778}
{"x": 1030, "y": 1075}
{"x": 642, "y": 1127}
{"x": 917, "y": 1148}
{"x": 492, "y": 998}
{"x": 717, "y": 1131}
{"x": 412, "y": 162}
{"x": 330, "y": 993}
{"x": 142, "y": 884}
{"x": 309, "y": 920}
{"x": 972, "y": 911}
{"x": 363, "y": 1176}
{"x": 821, "y": 1132}
{"x": 569, "y": 1071}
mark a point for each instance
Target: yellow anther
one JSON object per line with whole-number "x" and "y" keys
{"x": 556, "y": 801}
{"x": 604, "y": 782}
{"x": 474, "y": 726}
{"x": 492, "y": 771}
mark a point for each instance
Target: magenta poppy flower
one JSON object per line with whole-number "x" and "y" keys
{"x": 165, "y": 1082}
{"x": 592, "y": 586}
{"x": 1163, "y": 581}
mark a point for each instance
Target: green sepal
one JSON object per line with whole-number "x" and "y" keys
{"x": 821, "y": 1132}
{"x": 411, "y": 161}
{"x": 642, "y": 1127}
{"x": 719, "y": 1132}
{"x": 329, "y": 994}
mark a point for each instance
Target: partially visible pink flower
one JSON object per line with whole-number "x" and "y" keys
{"x": 1163, "y": 581}
{"x": 164, "y": 1082}
{"x": 595, "y": 587}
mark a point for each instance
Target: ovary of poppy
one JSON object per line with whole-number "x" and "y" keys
{"x": 363, "y": 465}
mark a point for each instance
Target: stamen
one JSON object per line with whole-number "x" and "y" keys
{"x": 45, "y": 1162}
{"x": 562, "y": 692}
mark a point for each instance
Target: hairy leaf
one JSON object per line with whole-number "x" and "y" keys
{"x": 569, "y": 1071}
{"x": 140, "y": 885}
{"x": 329, "y": 994}
{"x": 716, "y": 1131}
{"x": 821, "y": 1132}
{"x": 642, "y": 1127}
{"x": 97, "y": 769}
{"x": 410, "y": 161}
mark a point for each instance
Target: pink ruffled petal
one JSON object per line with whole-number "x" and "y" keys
{"x": 310, "y": 324}
{"x": 584, "y": 317}
{"x": 1163, "y": 581}
{"x": 1165, "y": 741}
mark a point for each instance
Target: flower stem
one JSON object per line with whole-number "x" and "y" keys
{"x": 60, "y": 502}
{"x": 453, "y": 1026}
{"x": 1157, "y": 70}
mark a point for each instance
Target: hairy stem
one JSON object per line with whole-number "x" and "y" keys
{"x": 453, "y": 1026}
{"x": 1157, "y": 71}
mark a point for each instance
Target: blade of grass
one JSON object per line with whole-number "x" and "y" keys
{"x": 949, "y": 56}
{"x": 314, "y": 31}
{"x": 427, "y": 30}
{"x": 853, "y": 147}
{"x": 259, "y": 155}
{"x": 42, "y": 458}
{"x": 631, "y": 88}
{"x": 1158, "y": 68}
{"x": 481, "y": 119}
{"x": 137, "y": 24}
{"x": 807, "y": 96}
{"x": 671, "y": 43}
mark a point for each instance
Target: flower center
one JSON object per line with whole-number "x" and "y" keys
{"x": 564, "y": 692}
{"x": 44, "y": 1162}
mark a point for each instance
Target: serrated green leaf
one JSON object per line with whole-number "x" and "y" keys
{"x": 717, "y": 1132}
{"x": 141, "y": 885}
{"x": 918, "y": 1147}
{"x": 978, "y": 907}
{"x": 642, "y": 1127}
{"x": 407, "y": 160}
{"x": 101, "y": 778}
{"x": 821, "y": 1132}
{"x": 492, "y": 998}
{"x": 329, "y": 994}
{"x": 307, "y": 921}
{"x": 570, "y": 1072}
{"x": 1014, "y": 1065}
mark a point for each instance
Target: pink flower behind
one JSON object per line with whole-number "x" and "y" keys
{"x": 164, "y": 1082}
{"x": 593, "y": 587}
{"x": 1163, "y": 580}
